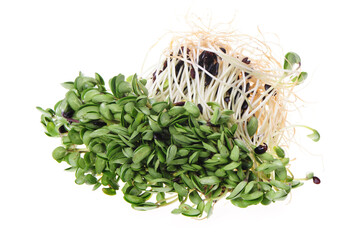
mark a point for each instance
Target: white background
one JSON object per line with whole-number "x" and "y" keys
{"x": 44, "y": 43}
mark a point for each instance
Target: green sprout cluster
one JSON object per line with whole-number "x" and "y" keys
{"x": 161, "y": 151}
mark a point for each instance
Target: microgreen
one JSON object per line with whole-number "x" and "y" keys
{"x": 159, "y": 149}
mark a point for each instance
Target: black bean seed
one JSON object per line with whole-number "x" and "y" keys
{"x": 179, "y": 104}
{"x": 246, "y": 60}
{"x": 229, "y": 91}
{"x": 62, "y": 129}
{"x": 154, "y": 76}
{"x": 261, "y": 148}
{"x": 207, "y": 80}
{"x": 226, "y": 99}
{"x": 68, "y": 114}
{"x": 165, "y": 64}
{"x": 244, "y": 105}
{"x": 157, "y": 136}
{"x": 98, "y": 123}
{"x": 200, "y": 107}
{"x": 316, "y": 180}
{"x": 213, "y": 69}
{"x": 206, "y": 58}
{"x": 247, "y": 89}
{"x": 179, "y": 66}
{"x": 193, "y": 73}
{"x": 176, "y": 179}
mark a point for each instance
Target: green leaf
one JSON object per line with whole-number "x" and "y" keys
{"x": 192, "y": 109}
{"x": 210, "y": 180}
{"x": 315, "y": 136}
{"x": 223, "y": 150}
{"x": 141, "y": 153}
{"x": 68, "y": 85}
{"x": 220, "y": 173}
{"x": 164, "y": 119}
{"x": 159, "y": 106}
{"x": 148, "y": 135}
{"x": 105, "y": 111}
{"x": 109, "y": 191}
{"x": 182, "y": 191}
{"x": 133, "y": 199}
{"x": 291, "y": 59}
{"x": 266, "y": 157}
{"x": 252, "y": 196}
{"x": 236, "y": 191}
{"x": 187, "y": 181}
{"x": 215, "y": 116}
{"x": 99, "y": 79}
{"x": 171, "y": 153}
{"x": 213, "y": 105}
{"x": 280, "y": 185}
{"x": 191, "y": 212}
{"x": 252, "y": 126}
{"x": 73, "y": 158}
{"x": 162, "y": 189}
{"x": 309, "y": 175}
{"x": 103, "y": 98}
{"x": 300, "y": 78}
{"x": 176, "y": 110}
{"x": 241, "y": 145}
{"x": 249, "y": 187}
{"x": 279, "y": 151}
{"x": 183, "y": 140}
{"x": 123, "y": 87}
{"x": 209, "y": 147}
{"x": 195, "y": 198}
{"x": 187, "y": 210}
{"x": 145, "y": 206}
{"x": 73, "y": 100}
{"x": 208, "y": 208}
{"x": 235, "y": 153}
{"x": 88, "y": 94}
{"x": 281, "y": 173}
{"x": 85, "y": 109}
{"x": 50, "y": 127}
{"x": 59, "y": 153}
{"x": 154, "y": 126}
{"x": 99, "y": 165}
{"x": 74, "y": 137}
{"x": 239, "y": 202}
{"x": 194, "y": 157}
{"x": 90, "y": 179}
{"x": 231, "y": 166}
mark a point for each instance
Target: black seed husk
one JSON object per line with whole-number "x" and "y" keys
{"x": 62, "y": 129}
{"x": 200, "y": 107}
{"x": 179, "y": 104}
{"x": 261, "y": 148}
{"x": 193, "y": 73}
{"x": 246, "y": 60}
{"x": 244, "y": 105}
{"x": 316, "y": 180}
{"x": 98, "y": 123}
{"x": 68, "y": 114}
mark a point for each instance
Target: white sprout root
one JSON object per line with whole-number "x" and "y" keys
{"x": 247, "y": 74}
